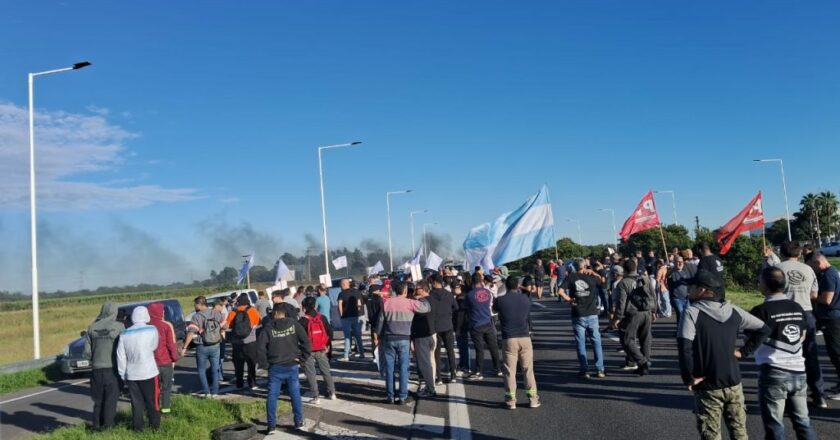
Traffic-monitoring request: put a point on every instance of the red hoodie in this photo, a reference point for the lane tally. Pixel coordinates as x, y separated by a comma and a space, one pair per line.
167, 349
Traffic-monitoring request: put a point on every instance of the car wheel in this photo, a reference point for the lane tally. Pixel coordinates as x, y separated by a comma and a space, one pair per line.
239, 431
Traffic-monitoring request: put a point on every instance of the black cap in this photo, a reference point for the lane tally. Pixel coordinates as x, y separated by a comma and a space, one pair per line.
705, 279
374, 288
528, 281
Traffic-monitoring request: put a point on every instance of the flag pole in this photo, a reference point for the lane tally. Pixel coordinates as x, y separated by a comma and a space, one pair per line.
664, 246
763, 239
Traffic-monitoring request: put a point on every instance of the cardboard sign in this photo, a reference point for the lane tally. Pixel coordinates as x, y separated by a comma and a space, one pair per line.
416, 272
325, 280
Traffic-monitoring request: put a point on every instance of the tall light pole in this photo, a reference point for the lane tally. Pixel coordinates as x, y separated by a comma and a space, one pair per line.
425, 247
323, 206
615, 235
33, 228
673, 200
388, 204
784, 189
580, 240
411, 220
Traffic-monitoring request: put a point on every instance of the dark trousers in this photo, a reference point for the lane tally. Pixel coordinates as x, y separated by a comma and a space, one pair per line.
105, 391
637, 337
167, 372
485, 336
831, 333
447, 340
245, 354
810, 350
144, 396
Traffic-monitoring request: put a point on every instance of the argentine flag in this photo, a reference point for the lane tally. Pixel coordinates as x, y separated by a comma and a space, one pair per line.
513, 235
243, 273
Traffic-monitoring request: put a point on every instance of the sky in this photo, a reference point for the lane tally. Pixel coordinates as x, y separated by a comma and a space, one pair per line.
193, 137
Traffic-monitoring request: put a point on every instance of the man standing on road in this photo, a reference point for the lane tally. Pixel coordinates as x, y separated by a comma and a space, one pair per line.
713, 264
552, 277
423, 340
206, 332
636, 301
263, 304
580, 289
243, 322
460, 325
478, 303
281, 349
678, 284
166, 354
319, 331
828, 312
395, 330
514, 312
708, 359
350, 308
539, 277
100, 347
444, 307
137, 367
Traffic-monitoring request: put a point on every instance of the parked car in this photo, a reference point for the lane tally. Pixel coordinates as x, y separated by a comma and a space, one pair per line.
831, 249
73, 360
212, 299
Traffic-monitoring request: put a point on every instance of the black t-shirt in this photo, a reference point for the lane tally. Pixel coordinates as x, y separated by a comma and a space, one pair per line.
514, 310
584, 289
350, 298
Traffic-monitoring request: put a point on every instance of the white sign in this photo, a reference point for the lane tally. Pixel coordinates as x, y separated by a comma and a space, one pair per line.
340, 262
433, 261
376, 268
416, 272
325, 280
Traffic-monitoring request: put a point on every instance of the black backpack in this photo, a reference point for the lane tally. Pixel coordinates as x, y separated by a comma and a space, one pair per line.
639, 296
242, 324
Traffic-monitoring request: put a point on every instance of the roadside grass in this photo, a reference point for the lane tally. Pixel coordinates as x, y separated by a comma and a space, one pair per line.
745, 299
191, 418
30, 378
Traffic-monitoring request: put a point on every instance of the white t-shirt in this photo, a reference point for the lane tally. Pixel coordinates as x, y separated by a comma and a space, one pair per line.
801, 281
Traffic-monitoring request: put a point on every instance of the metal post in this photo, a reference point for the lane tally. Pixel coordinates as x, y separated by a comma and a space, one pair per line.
787, 208
324, 215
411, 220
33, 228
388, 203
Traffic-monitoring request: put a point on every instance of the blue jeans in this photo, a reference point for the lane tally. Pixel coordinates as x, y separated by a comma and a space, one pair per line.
463, 341
588, 326
277, 375
208, 356
352, 327
397, 351
775, 389
680, 304
664, 304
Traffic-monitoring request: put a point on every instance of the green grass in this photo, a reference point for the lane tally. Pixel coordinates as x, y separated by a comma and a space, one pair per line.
30, 378
191, 418
744, 299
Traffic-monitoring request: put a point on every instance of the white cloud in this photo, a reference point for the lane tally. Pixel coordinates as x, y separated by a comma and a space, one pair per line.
69, 145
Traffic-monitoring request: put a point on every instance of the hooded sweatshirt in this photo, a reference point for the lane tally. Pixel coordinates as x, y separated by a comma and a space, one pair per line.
101, 337
285, 343
167, 349
443, 306
136, 349
707, 337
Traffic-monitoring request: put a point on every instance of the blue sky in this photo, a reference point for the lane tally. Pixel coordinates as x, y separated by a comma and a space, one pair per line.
202, 118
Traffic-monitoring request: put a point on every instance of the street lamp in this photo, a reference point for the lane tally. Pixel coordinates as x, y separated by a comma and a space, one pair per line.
388, 204
615, 235
33, 229
784, 189
411, 219
673, 200
580, 241
323, 206
425, 247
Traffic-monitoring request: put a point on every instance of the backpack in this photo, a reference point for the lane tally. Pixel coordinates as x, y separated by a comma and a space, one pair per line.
242, 324
639, 296
317, 332
212, 333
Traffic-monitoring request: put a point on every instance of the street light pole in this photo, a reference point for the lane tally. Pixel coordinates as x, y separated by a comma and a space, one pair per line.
784, 189
33, 227
323, 205
580, 240
425, 247
615, 235
673, 200
388, 204
411, 219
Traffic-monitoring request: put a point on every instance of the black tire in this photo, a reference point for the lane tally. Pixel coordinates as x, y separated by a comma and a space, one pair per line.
239, 431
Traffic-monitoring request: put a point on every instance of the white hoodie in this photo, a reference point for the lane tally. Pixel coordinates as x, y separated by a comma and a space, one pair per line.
136, 349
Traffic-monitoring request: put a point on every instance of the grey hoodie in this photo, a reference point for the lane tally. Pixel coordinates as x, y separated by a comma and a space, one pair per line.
101, 337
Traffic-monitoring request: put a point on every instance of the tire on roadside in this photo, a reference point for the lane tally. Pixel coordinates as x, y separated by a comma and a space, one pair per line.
238, 431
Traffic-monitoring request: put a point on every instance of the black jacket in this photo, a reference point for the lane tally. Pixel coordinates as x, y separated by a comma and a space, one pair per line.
443, 307
460, 322
375, 304
284, 343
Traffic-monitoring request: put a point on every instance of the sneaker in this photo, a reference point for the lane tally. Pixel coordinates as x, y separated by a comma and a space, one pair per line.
475, 376
271, 431
601, 375
404, 402
584, 375
833, 396
315, 400
438, 382
214, 396
500, 374
534, 402
333, 396
299, 426
426, 393
510, 403
819, 402
818, 333
643, 369
630, 367
344, 359
461, 373
389, 401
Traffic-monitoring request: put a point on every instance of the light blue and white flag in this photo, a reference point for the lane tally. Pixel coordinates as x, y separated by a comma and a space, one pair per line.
282, 271
416, 259
245, 268
513, 235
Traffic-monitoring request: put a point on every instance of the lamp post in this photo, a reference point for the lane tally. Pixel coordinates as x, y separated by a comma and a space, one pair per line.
33, 228
425, 247
411, 220
615, 235
580, 240
784, 189
388, 204
323, 206
673, 200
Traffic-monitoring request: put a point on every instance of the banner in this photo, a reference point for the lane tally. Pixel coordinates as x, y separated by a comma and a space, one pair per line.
433, 261
416, 259
340, 262
325, 280
243, 273
751, 217
643, 218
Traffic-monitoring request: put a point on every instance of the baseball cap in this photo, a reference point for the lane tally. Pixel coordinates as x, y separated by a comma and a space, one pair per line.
617, 270
704, 278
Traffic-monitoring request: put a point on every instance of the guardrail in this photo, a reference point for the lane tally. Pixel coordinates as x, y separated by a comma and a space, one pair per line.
27, 365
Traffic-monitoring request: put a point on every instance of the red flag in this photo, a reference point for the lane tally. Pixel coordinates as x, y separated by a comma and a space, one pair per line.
751, 217
644, 217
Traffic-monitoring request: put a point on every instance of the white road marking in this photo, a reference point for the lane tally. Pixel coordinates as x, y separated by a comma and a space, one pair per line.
459, 416
322, 429
536, 304
435, 425
44, 392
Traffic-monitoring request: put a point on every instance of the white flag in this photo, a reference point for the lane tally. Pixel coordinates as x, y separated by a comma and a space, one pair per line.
282, 271
340, 262
376, 268
416, 259
433, 261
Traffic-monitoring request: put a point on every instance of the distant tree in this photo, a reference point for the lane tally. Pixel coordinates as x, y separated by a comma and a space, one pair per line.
675, 236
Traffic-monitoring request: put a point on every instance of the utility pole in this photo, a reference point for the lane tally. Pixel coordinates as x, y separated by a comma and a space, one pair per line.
696, 226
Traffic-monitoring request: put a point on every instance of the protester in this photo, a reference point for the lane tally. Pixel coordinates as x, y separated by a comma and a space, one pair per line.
320, 334
206, 332
514, 312
478, 303
828, 314
580, 289
779, 357
242, 323
350, 308
539, 277
374, 305
708, 360
324, 303
137, 367
395, 329
444, 306
263, 304
166, 355
100, 347
423, 340
552, 277
663, 295
713, 264
678, 284
281, 349
461, 328
636, 302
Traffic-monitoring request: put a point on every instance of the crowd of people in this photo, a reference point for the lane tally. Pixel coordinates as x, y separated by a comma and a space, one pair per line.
489, 313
